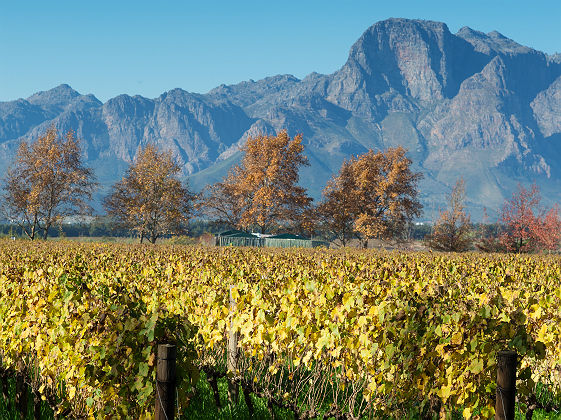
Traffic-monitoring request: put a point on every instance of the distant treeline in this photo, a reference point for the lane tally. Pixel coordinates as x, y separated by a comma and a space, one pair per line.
103, 226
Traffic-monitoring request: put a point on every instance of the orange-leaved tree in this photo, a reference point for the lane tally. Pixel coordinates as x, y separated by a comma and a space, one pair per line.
549, 232
46, 183
376, 192
150, 199
262, 192
337, 210
452, 231
527, 226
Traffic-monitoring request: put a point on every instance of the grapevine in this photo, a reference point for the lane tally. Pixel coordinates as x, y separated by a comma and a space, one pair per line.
342, 332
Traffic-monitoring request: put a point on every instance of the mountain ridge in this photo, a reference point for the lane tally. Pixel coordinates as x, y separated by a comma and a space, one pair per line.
468, 104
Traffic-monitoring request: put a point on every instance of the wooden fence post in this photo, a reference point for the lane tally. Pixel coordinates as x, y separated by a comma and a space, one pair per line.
506, 385
21, 394
4, 374
232, 355
165, 382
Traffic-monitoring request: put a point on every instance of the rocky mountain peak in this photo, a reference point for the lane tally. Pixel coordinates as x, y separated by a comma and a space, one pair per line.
58, 99
492, 43
57, 95
408, 56
398, 63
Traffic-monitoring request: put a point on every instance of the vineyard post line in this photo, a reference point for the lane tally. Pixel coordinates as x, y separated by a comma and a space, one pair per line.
506, 385
165, 382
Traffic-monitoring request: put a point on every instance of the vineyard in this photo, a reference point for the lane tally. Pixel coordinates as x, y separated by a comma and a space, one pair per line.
340, 334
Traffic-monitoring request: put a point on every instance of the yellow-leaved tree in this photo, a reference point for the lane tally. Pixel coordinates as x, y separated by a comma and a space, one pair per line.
150, 199
374, 195
262, 192
46, 183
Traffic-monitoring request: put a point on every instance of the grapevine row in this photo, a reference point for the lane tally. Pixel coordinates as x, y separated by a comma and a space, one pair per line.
361, 333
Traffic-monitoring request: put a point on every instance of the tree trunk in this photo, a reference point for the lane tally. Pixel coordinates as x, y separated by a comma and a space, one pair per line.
46, 232
48, 222
30, 235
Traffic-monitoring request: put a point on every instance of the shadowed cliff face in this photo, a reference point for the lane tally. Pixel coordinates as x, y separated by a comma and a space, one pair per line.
469, 104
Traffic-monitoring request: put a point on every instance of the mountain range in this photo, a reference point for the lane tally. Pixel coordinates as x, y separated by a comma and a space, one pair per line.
472, 105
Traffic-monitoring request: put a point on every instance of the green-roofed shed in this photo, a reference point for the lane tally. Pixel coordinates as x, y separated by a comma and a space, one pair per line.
231, 232
283, 240
287, 236
237, 238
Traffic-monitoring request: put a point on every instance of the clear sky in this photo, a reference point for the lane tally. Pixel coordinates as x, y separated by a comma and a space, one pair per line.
148, 47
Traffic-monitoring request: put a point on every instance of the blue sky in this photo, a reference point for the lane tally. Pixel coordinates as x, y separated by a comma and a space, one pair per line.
148, 47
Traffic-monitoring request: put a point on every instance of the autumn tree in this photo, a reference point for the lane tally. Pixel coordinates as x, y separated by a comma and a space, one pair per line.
262, 192
374, 195
527, 226
487, 235
222, 202
46, 183
548, 233
150, 199
452, 231
337, 211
